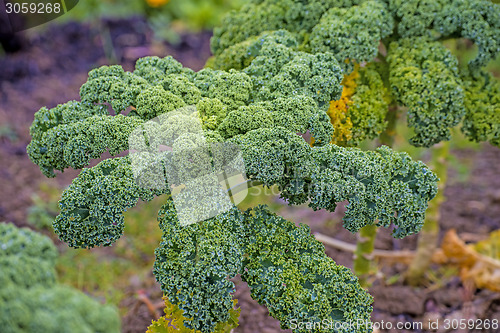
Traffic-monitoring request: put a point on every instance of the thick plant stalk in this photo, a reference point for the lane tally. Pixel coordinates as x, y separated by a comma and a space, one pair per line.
428, 237
363, 255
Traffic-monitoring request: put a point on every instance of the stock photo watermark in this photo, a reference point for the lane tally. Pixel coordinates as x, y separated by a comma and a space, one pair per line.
18, 15
361, 325
171, 152
205, 177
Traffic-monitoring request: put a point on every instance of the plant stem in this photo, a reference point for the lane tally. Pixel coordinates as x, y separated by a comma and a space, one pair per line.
363, 255
388, 255
428, 237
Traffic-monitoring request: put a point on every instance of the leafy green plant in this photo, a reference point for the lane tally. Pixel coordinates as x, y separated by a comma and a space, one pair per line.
286, 268
394, 62
106, 273
277, 67
32, 300
278, 70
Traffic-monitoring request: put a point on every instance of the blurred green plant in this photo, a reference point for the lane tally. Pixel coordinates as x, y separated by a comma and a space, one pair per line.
285, 267
31, 299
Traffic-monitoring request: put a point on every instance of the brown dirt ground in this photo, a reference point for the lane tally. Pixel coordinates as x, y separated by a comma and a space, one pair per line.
54, 64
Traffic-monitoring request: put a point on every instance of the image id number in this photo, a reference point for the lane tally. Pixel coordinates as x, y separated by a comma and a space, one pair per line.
32, 8
471, 324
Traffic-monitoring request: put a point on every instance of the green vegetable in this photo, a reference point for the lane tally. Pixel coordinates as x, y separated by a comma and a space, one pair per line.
264, 91
57, 309
288, 271
194, 264
30, 299
92, 207
278, 68
352, 34
424, 76
382, 185
370, 103
401, 37
286, 268
482, 105
477, 20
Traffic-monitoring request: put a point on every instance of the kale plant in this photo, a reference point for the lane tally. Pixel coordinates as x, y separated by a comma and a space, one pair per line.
394, 64
278, 71
32, 300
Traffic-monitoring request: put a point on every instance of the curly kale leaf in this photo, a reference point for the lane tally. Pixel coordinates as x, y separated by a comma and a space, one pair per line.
295, 73
482, 104
297, 114
298, 17
382, 185
93, 205
211, 112
249, 21
194, 264
415, 17
47, 122
277, 69
352, 34
331, 25
245, 119
112, 85
16, 241
370, 105
477, 20
232, 88
24, 272
142, 89
66, 113
424, 76
360, 112
72, 134
74, 142
180, 85
288, 271
285, 267
241, 55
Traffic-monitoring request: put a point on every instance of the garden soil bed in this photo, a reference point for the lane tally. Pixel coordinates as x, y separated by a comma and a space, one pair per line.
53, 64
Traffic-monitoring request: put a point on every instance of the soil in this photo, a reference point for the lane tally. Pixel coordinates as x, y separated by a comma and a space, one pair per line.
54, 63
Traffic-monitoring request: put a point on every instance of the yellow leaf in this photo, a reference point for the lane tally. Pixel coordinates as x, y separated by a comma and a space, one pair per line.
173, 321
478, 262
